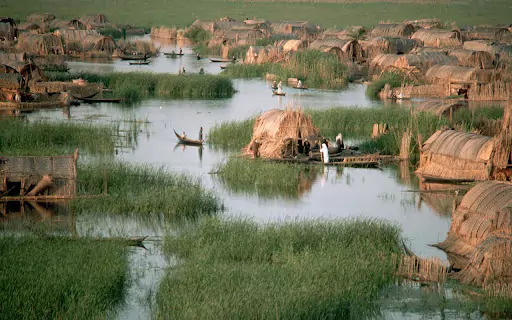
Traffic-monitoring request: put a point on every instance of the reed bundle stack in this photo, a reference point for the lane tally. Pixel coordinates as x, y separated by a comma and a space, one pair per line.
276, 130
396, 30
349, 50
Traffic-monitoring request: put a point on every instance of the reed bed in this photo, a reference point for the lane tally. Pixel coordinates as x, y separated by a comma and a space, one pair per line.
20, 137
315, 68
143, 189
197, 35
236, 269
265, 179
58, 278
394, 78
135, 86
231, 134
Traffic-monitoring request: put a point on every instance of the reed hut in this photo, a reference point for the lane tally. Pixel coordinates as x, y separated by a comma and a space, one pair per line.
488, 33
349, 50
418, 62
484, 211
499, 51
294, 45
243, 36
419, 49
99, 43
442, 108
12, 56
474, 59
163, 32
73, 24
40, 18
278, 132
387, 45
263, 54
426, 23
202, 24
438, 38
456, 156
9, 81
332, 33
8, 29
28, 73
396, 30
93, 21
295, 27
454, 78
32, 27
257, 23
40, 44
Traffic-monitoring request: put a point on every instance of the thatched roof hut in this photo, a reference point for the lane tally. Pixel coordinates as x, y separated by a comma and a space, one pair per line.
393, 30
262, 54
487, 33
497, 50
27, 71
378, 45
74, 24
484, 211
93, 21
40, 44
224, 25
243, 36
421, 62
8, 29
10, 80
442, 108
278, 131
417, 50
32, 27
474, 59
426, 23
345, 49
99, 43
451, 74
438, 38
299, 27
70, 35
203, 24
294, 45
456, 156
40, 17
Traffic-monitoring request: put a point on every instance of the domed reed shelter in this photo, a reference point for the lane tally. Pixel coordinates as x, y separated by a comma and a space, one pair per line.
99, 43
40, 44
278, 132
73, 24
474, 59
93, 21
40, 17
8, 29
388, 45
484, 211
349, 50
438, 38
393, 30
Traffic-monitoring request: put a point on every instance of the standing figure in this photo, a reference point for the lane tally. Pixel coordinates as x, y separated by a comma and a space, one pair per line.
299, 84
181, 52
307, 147
255, 148
274, 85
201, 134
182, 70
325, 152
183, 135
280, 87
198, 56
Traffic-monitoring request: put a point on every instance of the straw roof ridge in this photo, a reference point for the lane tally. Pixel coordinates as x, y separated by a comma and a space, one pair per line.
458, 144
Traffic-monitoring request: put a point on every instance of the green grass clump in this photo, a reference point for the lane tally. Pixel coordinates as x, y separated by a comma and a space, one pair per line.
20, 137
237, 269
231, 134
315, 68
60, 278
115, 33
143, 189
395, 79
266, 179
134, 86
196, 34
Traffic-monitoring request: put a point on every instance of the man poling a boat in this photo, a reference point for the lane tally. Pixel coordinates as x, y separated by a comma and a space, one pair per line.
324, 152
280, 87
299, 84
183, 135
201, 134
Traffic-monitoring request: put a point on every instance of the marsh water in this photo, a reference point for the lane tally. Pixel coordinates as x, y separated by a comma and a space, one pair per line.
389, 193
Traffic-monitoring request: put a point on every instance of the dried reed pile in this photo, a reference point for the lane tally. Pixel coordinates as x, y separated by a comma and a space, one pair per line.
419, 269
78, 91
163, 32
441, 107
294, 45
260, 54
275, 129
456, 156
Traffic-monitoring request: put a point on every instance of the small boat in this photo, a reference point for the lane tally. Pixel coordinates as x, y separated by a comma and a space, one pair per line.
173, 54
273, 88
134, 56
221, 60
188, 141
301, 88
93, 100
275, 93
138, 63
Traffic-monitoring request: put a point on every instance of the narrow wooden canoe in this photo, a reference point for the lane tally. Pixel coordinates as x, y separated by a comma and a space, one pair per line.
302, 88
173, 54
220, 60
188, 141
134, 57
275, 93
140, 63
93, 100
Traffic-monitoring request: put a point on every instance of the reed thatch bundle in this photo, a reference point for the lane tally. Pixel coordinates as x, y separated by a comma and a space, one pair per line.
345, 49
8, 29
456, 156
387, 45
163, 32
70, 35
99, 43
490, 264
93, 21
438, 38
294, 45
426, 23
487, 33
474, 59
73, 24
263, 54
40, 17
297, 27
275, 129
40, 44
396, 30
485, 210
425, 270
447, 74
442, 108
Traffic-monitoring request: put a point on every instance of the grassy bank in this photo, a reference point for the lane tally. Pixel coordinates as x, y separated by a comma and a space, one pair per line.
304, 270
60, 278
314, 68
143, 189
20, 137
231, 134
134, 86
325, 12
266, 179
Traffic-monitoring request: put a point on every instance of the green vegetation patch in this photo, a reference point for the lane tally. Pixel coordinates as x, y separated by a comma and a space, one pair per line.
143, 189
135, 86
394, 78
60, 278
313, 67
231, 134
266, 179
20, 137
237, 269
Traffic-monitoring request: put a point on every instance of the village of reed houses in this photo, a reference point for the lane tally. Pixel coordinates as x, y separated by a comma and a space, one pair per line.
362, 172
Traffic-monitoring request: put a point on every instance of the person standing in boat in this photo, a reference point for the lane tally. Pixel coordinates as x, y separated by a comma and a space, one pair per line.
183, 135
324, 151
181, 52
198, 56
299, 84
145, 56
201, 134
280, 87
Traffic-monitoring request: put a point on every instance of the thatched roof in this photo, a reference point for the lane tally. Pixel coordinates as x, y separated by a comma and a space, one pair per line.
262, 54
377, 45
29, 26
99, 43
275, 129
485, 210
422, 61
417, 50
11, 56
383, 61
8, 29
446, 74
501, 50
202, 24
346, 49
40, 44
393, 30
293, 27
69, 35
39, 17
441, 107
294, 45
438, 38
453, 155
239, 34
488, 33
10, 81
426, 23
474, 59
92, 21
67, 24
